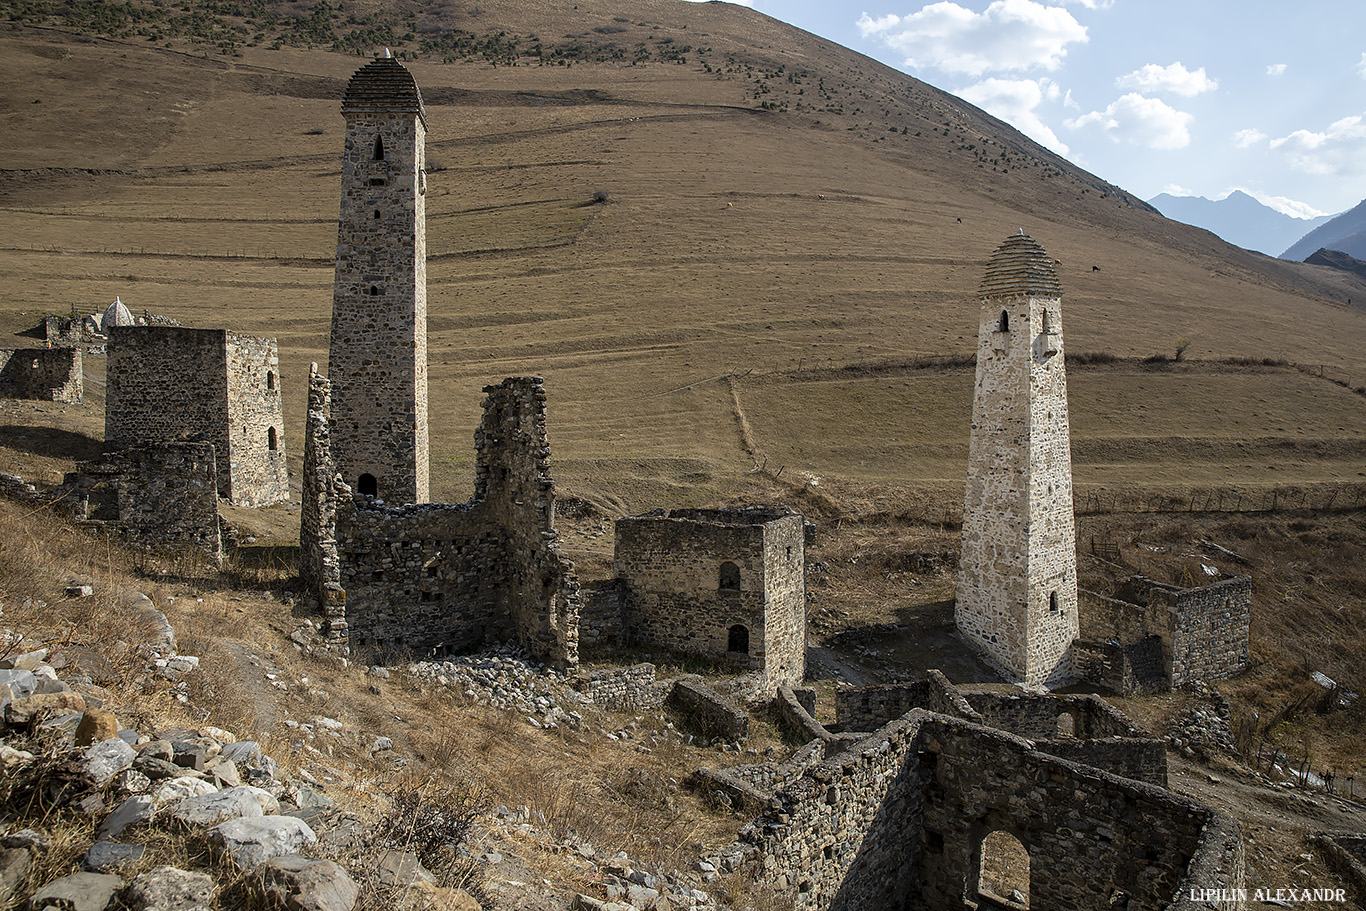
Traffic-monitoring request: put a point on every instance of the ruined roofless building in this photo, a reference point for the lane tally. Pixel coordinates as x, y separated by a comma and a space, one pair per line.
1017, 587
377, 362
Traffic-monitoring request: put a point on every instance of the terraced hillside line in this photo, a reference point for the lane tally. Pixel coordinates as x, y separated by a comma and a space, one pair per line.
805, 491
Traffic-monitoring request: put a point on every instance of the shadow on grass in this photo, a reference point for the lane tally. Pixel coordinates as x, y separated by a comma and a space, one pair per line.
51, 443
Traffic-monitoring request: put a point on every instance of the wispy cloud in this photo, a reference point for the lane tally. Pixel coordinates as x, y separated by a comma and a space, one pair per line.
1277, 69
1283, 204
1014, 101
1339, 151
1137, 120
1175, 189
1175, 78
1361, 66
1009, 35
1245, 138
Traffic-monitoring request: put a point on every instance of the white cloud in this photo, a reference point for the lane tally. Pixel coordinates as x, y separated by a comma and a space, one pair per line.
1069, 102
1014, 101
1138, 120
1276, 69
1244, 138
1361, 66
1339, 151
1175, 189
1283, 204
1092, 4
1175, 78
1008, 35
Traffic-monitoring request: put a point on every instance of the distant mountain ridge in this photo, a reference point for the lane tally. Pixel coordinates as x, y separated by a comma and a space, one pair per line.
1345, 233
1241, 220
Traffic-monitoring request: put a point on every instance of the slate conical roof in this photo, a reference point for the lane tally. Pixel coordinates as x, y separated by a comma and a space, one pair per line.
117, 314
1020, 268
383, 86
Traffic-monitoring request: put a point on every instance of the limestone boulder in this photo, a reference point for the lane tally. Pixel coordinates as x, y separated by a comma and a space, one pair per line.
253, 841
136, 809
219, 806
300, 883
104, 760
77, 892
173, 790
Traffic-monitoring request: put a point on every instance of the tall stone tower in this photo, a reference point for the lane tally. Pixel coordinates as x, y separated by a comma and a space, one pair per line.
378, 359
1017, 588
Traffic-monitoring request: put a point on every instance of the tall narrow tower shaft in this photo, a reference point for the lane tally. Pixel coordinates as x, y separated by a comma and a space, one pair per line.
1017, 589
378, 357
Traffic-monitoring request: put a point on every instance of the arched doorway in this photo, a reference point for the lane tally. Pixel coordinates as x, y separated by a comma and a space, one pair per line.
738, 640
1003, 876
367, 485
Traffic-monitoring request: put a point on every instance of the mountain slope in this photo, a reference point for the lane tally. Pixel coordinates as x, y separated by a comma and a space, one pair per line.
1239, 219
1346, 233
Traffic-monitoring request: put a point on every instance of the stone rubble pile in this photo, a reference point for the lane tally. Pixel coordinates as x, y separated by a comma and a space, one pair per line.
1205, 729
503, 679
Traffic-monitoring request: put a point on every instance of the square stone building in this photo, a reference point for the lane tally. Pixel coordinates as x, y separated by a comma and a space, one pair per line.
170, 383
728, 584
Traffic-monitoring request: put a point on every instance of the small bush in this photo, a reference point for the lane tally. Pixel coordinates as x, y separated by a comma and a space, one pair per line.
600, 197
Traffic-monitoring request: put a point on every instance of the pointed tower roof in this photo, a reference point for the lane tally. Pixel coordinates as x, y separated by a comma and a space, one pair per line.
383, 86
1020, 268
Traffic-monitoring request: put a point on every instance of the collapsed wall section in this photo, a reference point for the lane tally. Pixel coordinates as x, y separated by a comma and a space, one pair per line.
160, 495
45, 374
435, 578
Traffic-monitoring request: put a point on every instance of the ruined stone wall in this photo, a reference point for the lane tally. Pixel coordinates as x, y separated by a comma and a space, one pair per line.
256, 423
901, 818
1040, 716
630, 688
692, 578
46, 374
1017, 586
319, 566
378, 354
1125, 670
869, 708
1210, 635
172, 383
601, 620
705, 711
159, 495
434, 578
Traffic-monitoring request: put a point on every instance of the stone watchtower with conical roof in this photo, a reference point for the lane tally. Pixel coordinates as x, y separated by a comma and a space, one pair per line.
1017, 588
378, 358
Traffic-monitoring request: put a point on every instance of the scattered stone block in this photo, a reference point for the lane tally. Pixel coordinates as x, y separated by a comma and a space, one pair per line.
219, 806
399, 868
96, 725
251, 842
14, 864
105, 856
30, 710
305, 884
171, 889
20, 683
136, 809
177, 789
77, 892
106, 759
430, 897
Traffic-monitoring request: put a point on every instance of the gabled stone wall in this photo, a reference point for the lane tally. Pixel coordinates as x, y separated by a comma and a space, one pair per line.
46, 374
724, 584
436, 578
159, 495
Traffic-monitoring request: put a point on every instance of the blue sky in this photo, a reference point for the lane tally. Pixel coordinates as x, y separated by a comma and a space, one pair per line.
1198, 97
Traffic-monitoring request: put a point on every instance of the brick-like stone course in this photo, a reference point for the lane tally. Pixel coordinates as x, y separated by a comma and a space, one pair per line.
436, 578
633, 688
171, 383
691, 576
1017, 590
159, 495
46, 374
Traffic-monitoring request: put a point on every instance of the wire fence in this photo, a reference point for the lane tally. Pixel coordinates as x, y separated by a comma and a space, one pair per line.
1316, 497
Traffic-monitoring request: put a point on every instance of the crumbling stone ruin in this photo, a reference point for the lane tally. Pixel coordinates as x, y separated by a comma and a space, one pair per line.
319, 564
46, 374
161, 494
1017, 589
167, 383
378, 354
980, 797
728, 584
1151, 636
436, 578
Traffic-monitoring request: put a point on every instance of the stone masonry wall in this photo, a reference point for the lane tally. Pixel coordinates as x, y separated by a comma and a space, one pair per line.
1017, 585
434, 578
256, 423
900, 820
692, 576
705, 711
47, 374
378, 354
1210, 637
172, 383
319, 565
159, 495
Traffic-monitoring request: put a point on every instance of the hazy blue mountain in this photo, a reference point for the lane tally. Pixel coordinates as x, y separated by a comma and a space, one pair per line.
1345, 233
1240, 220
